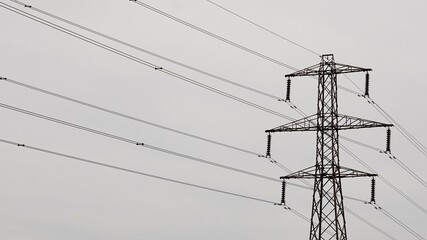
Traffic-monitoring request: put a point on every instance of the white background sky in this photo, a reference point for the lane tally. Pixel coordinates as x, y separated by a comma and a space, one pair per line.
48, 197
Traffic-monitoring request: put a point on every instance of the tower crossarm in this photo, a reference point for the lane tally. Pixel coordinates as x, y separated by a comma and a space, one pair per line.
344, 172
345, 122
348, 122
304, 124
316, 70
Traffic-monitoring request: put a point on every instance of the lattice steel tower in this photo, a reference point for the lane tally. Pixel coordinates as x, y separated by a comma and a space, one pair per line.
327, 215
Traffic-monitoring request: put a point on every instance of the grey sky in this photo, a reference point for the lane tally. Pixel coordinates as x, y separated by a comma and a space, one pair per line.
48, 197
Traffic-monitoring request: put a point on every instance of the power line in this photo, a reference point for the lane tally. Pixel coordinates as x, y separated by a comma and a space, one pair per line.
327, 143
391, 156
204, 31
132, 171
415, 142
139, 143
310, 187
170, 152
409, 137
155, 125
145, 174
140, 61
157, 55
352, 82
401, 164
370, 224
229, 95
171, 180
133, 58
133, 142
149, 52
264, 28
246, 49
157, 69
360, 143
57, 95
300, 215
421, 147
408, 170
44, 91
401, 224
392, 186
162, 178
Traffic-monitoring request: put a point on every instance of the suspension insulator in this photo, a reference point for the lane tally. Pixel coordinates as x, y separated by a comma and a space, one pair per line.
367, 84
388, 140
282, 200
288, 90
268, 154
373, 190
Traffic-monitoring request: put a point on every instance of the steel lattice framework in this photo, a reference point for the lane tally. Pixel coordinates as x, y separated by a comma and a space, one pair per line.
327, 214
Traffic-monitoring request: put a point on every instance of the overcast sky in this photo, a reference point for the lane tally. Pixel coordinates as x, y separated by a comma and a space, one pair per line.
43, 196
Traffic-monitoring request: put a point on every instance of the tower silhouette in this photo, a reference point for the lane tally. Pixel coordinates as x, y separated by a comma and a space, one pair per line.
327, 214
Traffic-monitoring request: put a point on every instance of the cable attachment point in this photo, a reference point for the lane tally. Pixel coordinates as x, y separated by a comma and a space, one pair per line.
367, 84
139, 144
284, 206
3, 78
27, 6
268, 154
288, 90
21, 145
388, 141
157, 68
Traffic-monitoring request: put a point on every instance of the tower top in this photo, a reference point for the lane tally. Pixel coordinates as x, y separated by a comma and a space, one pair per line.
327, 59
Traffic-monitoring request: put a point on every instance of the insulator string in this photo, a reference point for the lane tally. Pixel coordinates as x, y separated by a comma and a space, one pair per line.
268, 154
373, 190
367, 84
288, 90
282, 200
388, 140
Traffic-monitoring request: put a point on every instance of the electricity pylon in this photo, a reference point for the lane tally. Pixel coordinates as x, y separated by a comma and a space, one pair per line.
327, 215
